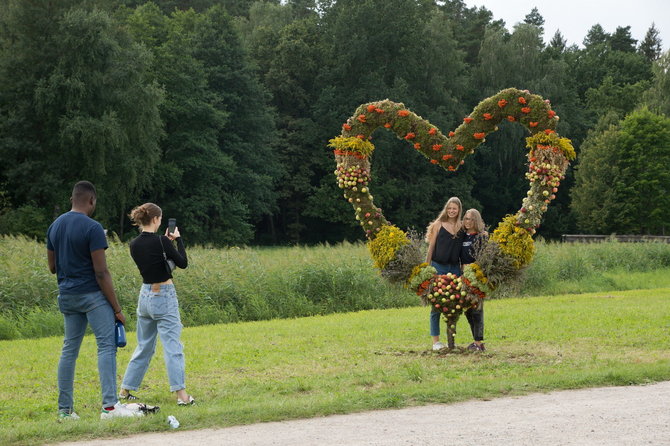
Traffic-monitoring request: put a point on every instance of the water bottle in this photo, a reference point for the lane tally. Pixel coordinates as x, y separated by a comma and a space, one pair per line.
120, 334
172, 421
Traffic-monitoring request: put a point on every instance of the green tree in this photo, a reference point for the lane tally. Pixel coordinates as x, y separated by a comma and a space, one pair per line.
622, 177
215, 115
404, 51
83, 108
622, 40
249, 136
594, 201
651, 47
534, 18
657, 98
644, 183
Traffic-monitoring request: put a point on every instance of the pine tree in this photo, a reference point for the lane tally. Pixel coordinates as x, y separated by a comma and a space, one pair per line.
651, 46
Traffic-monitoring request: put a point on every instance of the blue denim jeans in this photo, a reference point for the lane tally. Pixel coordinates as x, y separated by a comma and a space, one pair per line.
434, 314
157, 314
79, 310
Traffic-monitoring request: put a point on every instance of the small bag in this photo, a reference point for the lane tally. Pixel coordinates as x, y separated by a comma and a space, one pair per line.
169, 263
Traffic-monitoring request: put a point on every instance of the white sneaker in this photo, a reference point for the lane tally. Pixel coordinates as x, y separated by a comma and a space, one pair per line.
120, 410
67, 416
438, 346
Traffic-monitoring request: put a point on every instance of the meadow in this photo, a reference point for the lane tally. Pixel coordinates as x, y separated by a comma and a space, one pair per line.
249, 284
249, 372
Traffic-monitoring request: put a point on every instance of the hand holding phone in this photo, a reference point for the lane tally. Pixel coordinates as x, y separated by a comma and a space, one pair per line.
172, 224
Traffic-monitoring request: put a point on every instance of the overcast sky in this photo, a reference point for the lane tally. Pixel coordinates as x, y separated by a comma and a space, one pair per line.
575, 17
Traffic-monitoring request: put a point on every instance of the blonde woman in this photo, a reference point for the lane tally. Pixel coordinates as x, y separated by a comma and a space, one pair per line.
158, 307
474, 229
444, 238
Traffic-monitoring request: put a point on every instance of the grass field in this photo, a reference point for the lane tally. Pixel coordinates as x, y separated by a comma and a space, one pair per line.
233, 285
281, 369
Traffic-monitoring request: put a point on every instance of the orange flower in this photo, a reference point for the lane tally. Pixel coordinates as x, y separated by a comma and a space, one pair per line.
525, 110
551, 114
361, 118
522, 100
346, 126
387, 125
467, 120
461, 148
437, 147
432, 131
447, 157
487, 116
379, 110
417, 145
548, 131
511, 118
452, 168
371, 108
502, 103
409, 136
451, 134
478, 136
403, 112
360, 136
532, 124
434, 161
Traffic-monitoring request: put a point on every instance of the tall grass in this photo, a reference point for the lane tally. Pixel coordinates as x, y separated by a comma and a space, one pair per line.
245, 284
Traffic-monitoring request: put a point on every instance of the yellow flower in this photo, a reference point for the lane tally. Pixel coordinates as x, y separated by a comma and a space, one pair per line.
384, 246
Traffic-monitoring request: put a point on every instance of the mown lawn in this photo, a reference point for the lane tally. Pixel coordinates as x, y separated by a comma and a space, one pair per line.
280, 369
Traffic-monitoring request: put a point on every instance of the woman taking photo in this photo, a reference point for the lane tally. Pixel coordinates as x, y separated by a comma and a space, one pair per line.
158, 307
445, 238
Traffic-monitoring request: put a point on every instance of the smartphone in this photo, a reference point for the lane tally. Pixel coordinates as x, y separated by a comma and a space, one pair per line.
172, 223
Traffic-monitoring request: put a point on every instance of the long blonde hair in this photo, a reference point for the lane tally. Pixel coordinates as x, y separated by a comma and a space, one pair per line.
434, 226
477, 221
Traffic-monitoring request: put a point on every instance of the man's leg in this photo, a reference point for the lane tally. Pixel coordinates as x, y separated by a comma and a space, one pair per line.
101, 319
75, 327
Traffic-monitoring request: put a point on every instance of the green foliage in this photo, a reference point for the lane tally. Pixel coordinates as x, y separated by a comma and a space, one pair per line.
622, 178
220, 111
83, 108
657, 98
302, 281
28, 220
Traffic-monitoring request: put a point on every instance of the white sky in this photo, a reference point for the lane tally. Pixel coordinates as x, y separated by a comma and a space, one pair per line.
575, 17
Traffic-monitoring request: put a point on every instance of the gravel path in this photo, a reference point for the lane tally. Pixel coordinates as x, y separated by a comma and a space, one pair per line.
635, 415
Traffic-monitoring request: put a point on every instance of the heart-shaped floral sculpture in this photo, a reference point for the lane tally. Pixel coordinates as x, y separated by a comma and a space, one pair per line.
509, 248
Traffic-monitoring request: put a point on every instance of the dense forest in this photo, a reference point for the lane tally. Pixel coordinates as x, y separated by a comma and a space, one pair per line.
220, 111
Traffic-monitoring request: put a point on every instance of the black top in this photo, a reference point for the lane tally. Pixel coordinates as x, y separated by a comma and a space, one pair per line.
468, 249
447, 247
147, 252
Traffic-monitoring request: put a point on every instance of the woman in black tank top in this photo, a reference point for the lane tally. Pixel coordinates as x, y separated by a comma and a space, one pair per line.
445, 238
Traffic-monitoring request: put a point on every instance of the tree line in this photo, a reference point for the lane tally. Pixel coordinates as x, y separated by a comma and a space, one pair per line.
220, 112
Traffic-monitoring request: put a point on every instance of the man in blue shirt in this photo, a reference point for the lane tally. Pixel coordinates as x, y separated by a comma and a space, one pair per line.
76, 254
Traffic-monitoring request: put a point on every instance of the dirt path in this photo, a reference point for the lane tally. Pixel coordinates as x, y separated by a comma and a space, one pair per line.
635, 415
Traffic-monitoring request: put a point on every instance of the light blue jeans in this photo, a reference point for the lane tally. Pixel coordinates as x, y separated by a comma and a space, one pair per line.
79, 310
157, 314
434, 314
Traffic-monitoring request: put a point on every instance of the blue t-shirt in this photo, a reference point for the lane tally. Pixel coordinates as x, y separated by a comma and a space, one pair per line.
72, 237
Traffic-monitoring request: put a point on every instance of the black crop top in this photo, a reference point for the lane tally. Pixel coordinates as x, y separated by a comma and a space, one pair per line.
447, 247
147, 252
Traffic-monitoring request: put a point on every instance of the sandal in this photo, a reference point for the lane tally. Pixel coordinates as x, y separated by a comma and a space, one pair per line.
129, 396
190, 401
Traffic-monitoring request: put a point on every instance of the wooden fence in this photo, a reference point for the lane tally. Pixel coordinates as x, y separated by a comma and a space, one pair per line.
584, 238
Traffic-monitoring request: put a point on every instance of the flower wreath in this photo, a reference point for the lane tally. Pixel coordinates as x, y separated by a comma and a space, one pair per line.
511, 245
